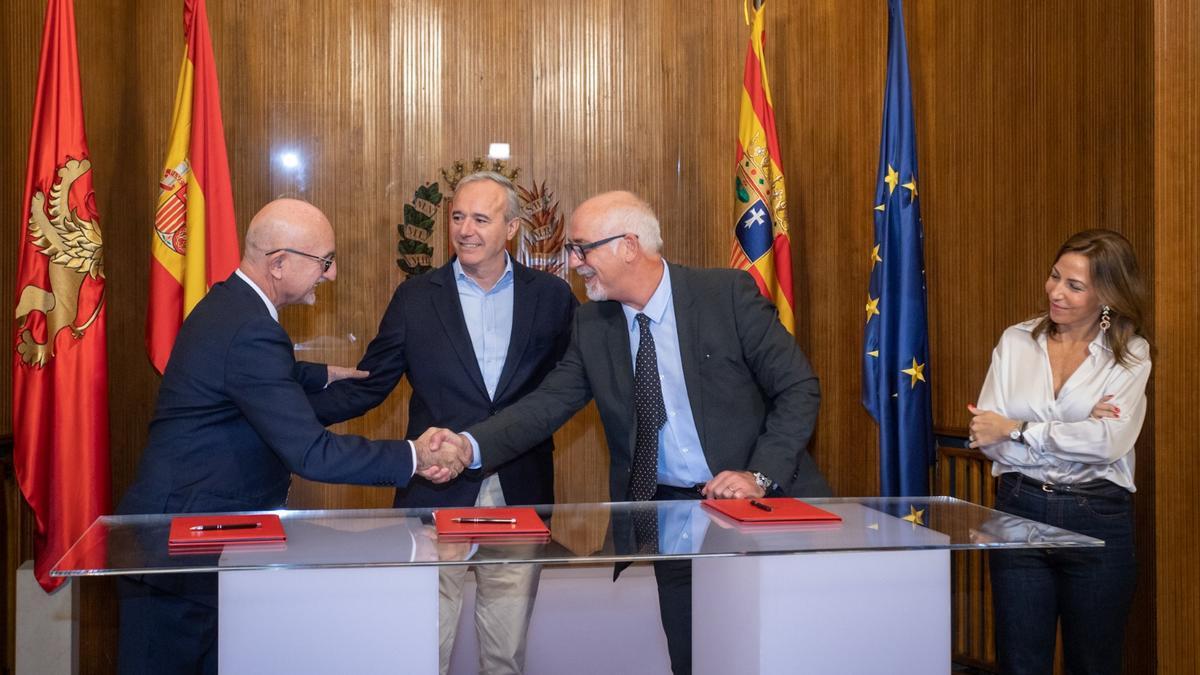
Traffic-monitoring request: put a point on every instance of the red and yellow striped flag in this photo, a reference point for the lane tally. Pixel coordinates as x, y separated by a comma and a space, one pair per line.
195, 234
761, 245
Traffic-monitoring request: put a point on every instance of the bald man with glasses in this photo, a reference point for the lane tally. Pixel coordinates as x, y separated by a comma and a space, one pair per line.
233, 422
701, 390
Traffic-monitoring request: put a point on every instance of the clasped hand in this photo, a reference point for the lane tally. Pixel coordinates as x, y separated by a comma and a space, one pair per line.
442, 454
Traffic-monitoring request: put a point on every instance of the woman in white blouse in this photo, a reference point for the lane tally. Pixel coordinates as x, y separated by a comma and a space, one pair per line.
1059, 413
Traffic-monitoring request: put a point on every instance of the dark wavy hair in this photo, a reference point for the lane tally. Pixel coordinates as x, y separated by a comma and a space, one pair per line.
1118, 284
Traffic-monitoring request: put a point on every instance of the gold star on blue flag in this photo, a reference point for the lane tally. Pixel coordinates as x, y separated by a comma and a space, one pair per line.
896, 375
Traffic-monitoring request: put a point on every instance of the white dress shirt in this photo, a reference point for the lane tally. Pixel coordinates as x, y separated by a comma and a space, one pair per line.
1064, 444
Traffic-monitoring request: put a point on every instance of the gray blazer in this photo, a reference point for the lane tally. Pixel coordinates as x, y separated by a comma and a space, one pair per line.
753, 394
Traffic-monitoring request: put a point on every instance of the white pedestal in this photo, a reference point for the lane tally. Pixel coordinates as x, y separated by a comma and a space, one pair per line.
583, 624
846, 613
879, 611
352, 618
362, 621
47, 631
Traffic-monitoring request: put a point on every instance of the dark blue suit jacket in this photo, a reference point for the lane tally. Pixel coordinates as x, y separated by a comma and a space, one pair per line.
233, 422
423, 334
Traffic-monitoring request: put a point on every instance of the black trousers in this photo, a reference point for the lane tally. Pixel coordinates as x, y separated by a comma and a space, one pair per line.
674, 579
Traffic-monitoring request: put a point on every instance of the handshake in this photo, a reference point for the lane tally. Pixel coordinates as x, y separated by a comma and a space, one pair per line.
442, 454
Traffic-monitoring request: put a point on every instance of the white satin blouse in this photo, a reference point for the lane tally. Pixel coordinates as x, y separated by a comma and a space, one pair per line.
1064, 443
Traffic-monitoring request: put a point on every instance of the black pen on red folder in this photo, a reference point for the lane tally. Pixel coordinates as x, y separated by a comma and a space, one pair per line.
759, 505
510, 521
230, 526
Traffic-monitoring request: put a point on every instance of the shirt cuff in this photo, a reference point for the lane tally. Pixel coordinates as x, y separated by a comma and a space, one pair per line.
476, 458
412, 447
1035, 436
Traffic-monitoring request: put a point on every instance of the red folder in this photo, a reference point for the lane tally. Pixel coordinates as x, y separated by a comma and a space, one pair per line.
783, 510
527, 526
218, 549
205, 531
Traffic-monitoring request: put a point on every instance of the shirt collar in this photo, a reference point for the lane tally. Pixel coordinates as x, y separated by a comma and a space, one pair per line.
657, 306
1098, 343
266, 301
461, 275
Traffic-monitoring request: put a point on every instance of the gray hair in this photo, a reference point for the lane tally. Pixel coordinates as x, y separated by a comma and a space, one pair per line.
510, 191
633, 215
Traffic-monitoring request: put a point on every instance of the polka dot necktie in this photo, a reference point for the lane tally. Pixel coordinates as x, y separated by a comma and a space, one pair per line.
651, 415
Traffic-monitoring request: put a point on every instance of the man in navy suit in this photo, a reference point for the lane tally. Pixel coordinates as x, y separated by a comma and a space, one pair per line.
473, 336
233, 423
737, 399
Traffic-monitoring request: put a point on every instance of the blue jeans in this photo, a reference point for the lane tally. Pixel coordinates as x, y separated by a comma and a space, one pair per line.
1089, 590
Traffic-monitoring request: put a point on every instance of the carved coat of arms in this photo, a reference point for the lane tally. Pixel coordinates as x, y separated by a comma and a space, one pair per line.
539, 244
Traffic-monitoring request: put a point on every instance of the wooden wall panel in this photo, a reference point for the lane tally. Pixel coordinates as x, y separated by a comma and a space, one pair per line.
826, 61
1177, 314
1034, 120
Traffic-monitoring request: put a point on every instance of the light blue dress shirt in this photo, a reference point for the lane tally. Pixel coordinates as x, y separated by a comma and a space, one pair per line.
682, 526
681, 461
489, 317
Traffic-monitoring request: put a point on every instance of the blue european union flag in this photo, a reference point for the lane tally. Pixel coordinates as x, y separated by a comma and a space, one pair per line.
896, 364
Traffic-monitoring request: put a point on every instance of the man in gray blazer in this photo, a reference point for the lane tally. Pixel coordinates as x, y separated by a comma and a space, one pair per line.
738, 398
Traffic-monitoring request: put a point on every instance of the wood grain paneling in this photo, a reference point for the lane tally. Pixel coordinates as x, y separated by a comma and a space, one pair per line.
1177, 325
1034, 120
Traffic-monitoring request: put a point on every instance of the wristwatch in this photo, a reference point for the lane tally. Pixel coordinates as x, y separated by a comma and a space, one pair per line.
763, 482
1018, 433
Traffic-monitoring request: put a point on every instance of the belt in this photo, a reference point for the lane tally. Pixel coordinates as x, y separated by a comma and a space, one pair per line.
1099, 487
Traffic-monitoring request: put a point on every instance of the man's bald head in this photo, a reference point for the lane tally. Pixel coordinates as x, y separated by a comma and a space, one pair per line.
286, 223
621, 260
285, 244
620, 211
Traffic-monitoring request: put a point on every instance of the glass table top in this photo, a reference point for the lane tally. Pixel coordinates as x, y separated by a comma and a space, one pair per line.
580, 534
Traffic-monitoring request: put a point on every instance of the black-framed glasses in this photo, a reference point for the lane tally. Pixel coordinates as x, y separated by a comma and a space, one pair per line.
581, 250
326, 263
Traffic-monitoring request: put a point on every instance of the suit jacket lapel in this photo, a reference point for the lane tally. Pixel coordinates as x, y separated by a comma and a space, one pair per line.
616, 334
449, 310
525, 303
239, 286
687, 321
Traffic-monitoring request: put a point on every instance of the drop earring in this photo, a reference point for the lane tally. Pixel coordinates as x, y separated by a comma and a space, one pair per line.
1105, 321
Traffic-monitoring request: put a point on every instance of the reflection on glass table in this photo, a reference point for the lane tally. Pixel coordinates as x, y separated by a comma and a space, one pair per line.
403, 537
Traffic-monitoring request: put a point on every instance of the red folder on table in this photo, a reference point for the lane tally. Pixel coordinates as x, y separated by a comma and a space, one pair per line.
218, 549
206, 531
782, 510
490, 523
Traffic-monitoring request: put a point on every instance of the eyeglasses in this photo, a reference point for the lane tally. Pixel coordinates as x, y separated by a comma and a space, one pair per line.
581, 250
326, 263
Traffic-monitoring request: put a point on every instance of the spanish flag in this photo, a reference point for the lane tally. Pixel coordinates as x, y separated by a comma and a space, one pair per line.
195, 233
761, 245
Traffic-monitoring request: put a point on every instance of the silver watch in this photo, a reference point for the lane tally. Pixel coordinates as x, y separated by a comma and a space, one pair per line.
1018, 433
763, 482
